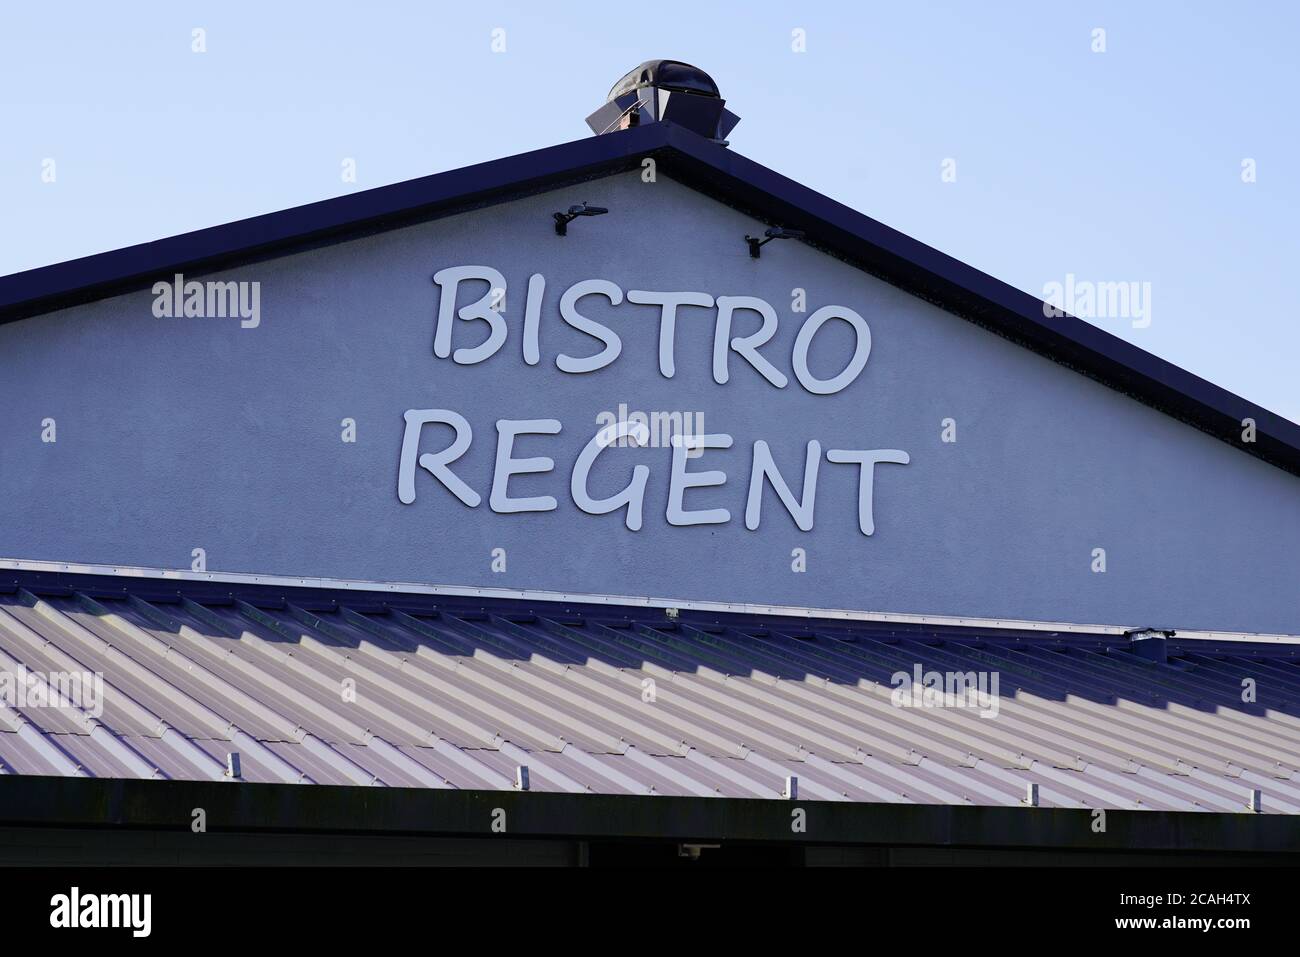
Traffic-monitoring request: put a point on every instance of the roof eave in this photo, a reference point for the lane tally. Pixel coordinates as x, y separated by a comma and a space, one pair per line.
60, 285
30, 801
716, 171
980, 298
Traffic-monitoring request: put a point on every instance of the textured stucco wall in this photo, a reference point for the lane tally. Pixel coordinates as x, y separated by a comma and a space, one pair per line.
175, 434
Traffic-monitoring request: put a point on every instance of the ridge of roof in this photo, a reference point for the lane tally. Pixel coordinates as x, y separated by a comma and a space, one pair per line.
715, 171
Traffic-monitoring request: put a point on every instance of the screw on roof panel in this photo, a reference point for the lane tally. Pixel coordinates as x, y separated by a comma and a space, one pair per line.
791, 789
521, 778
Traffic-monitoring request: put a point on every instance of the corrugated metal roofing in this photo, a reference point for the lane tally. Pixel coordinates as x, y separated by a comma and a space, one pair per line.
439, 698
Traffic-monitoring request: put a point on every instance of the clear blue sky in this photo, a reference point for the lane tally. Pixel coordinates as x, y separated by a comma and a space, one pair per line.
1115, 166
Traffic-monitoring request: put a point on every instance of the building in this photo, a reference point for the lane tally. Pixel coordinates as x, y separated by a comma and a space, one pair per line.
625, 501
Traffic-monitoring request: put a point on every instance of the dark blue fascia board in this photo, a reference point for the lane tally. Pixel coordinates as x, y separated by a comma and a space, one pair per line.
980, 298
47, 288
719, 172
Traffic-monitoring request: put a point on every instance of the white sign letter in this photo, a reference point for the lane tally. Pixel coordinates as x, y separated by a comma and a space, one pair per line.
506, 466
633, 496
866, 462
668, 303
765, 467
744, 346
804, 340
450, 280
436, 465
613, 345
681, 480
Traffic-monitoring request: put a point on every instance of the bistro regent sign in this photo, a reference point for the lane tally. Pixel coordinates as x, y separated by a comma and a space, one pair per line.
488, 309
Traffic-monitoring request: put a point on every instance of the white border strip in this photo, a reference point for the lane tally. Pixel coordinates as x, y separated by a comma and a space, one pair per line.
468, 591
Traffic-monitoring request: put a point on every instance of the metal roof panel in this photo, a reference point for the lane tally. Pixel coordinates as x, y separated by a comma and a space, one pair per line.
448, 698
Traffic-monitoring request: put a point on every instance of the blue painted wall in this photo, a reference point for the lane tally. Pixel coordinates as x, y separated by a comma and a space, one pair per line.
175, 434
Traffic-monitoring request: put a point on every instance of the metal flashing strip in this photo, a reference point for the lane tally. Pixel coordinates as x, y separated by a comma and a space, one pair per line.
469, 591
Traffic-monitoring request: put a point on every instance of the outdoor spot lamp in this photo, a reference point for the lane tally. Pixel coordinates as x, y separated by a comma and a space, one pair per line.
776, 232
562, 220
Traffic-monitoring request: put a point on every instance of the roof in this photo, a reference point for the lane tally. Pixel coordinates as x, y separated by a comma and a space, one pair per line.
402, 691
718, 172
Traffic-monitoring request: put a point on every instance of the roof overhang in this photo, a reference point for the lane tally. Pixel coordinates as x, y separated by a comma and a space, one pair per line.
27, 801
717, 172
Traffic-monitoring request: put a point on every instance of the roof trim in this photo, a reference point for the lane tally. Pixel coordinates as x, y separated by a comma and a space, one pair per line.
718, 172
47, 288
28, 800
75, 574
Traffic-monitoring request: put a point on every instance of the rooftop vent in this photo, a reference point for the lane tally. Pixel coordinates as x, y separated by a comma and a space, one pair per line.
666, 91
